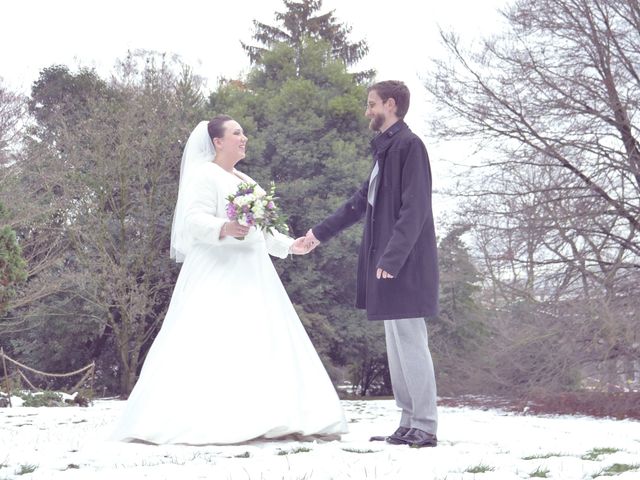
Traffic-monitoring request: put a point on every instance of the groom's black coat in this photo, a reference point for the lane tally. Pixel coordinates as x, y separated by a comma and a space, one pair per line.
399, 234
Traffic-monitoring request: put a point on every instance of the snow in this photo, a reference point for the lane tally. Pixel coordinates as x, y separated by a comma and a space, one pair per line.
69, 443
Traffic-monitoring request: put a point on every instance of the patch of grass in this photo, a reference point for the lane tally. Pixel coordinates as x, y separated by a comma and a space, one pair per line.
543, 456
27, 468
205, 456
481, 468
294, 451
72, 466
41, 399
358, 450
616, 469
595, 453
243, 455
539, 473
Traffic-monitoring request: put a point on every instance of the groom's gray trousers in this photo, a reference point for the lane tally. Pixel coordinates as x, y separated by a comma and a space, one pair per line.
412, 376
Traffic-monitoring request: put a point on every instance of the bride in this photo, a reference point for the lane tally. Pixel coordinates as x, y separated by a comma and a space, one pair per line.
232, 362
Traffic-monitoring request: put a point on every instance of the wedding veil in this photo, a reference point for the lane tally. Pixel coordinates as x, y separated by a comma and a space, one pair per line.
197, 151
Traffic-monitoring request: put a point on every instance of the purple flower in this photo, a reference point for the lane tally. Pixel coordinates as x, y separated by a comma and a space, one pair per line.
231, 211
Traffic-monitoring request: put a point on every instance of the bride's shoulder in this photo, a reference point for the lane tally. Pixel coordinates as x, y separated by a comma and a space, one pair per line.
207, 169
243, 176
203, 175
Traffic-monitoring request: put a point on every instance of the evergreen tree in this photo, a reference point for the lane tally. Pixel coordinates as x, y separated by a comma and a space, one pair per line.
307, 133
12, 265
458, 334
458, 321
301, 21
61, 100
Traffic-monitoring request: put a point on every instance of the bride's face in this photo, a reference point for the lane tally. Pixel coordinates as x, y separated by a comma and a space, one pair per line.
233, 143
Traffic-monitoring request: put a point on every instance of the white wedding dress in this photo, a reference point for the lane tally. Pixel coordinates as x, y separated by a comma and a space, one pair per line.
232, 361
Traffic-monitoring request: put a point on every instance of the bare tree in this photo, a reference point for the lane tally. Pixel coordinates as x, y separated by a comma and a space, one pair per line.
13, 121
556, 209
124, 184
12, 118
99, 180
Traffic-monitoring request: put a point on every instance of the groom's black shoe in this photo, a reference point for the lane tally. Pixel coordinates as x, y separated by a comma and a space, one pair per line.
400, 431
399, 437
419, 438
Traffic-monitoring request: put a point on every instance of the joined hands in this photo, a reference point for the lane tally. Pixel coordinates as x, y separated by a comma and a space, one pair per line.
303, 245
299, 246
311, 242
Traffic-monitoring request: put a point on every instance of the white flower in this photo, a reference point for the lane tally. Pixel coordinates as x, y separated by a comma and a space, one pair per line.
258, 210
243, 200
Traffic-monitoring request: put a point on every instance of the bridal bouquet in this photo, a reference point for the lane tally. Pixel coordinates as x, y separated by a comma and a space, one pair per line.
252, 206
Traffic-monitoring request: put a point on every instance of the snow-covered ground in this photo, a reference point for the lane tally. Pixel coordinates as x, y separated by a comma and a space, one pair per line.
68, 443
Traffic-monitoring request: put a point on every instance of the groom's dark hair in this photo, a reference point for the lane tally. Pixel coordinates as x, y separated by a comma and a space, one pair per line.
215, 127
393, 89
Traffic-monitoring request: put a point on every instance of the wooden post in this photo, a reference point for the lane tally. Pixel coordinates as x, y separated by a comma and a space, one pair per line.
6, 376
93, 378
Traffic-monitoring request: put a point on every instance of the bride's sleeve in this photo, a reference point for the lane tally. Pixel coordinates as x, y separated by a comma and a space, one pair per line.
202, 205
278, 244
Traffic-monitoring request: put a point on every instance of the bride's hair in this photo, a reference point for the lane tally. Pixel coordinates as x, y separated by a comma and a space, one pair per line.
215, 127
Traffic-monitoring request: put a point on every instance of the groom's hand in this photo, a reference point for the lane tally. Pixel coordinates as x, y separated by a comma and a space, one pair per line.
300, 246
311, 240
380, 273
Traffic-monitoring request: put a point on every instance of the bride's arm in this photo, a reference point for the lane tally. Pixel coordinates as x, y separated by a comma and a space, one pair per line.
200, 217
278, 244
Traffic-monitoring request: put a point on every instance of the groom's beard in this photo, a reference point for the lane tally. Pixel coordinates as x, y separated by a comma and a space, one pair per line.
376, 123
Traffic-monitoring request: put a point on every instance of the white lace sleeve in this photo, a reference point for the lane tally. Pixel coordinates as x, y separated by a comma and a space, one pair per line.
278, 244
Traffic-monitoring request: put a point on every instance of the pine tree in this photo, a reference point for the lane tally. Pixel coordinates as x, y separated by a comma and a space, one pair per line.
300, 21
459, 321
12, 265
307, 132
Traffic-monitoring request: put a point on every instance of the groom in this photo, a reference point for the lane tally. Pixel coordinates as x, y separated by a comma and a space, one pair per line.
397, 264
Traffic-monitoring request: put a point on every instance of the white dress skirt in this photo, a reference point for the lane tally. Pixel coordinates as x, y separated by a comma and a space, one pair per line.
232, 361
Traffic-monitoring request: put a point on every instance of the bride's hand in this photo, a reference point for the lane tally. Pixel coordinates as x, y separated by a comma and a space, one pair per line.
233, 229
299, 246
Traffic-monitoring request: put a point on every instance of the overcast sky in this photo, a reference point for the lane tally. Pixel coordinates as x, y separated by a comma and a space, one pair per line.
38, 33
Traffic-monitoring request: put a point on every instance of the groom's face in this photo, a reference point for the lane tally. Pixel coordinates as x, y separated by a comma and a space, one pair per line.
376, 111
